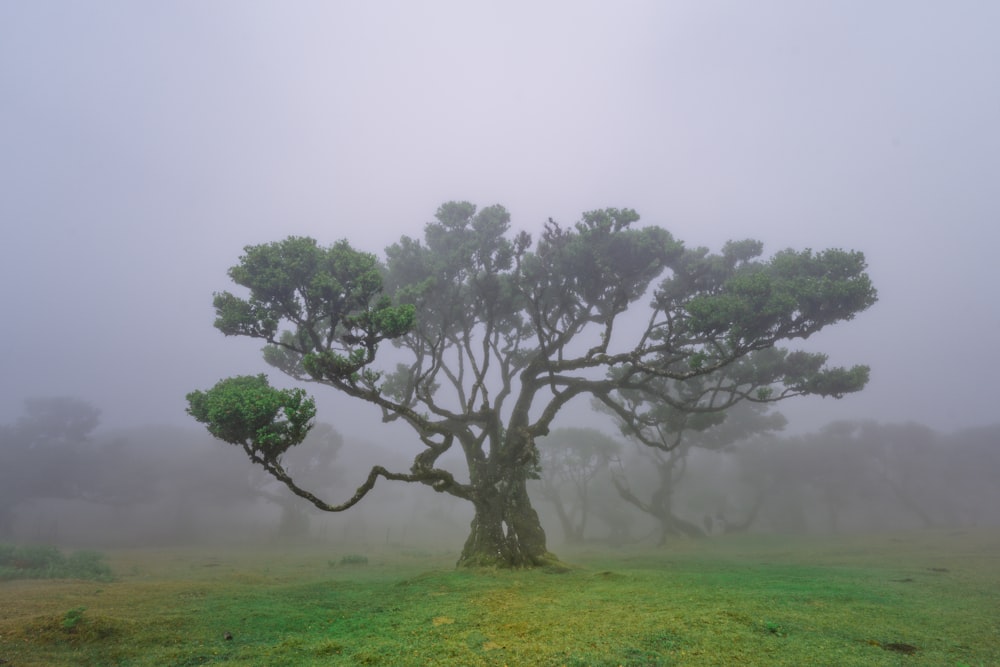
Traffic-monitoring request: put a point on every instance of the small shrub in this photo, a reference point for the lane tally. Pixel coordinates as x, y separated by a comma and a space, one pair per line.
46, 562
73, 618
88, 565
354, 559
773, 628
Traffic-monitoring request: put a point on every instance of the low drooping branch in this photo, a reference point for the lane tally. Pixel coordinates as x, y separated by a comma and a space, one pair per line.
440, 480
660, 509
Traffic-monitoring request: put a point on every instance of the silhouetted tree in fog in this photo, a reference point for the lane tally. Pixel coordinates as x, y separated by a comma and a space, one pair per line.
49, 452
666, 437
570, 460
870, 475
40, 454
974, 468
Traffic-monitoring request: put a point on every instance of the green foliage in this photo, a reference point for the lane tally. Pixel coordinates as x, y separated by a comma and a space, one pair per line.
793, 295
462, 273
246, 410
599, 268
330, 298
48, 562
88, 565
73, 618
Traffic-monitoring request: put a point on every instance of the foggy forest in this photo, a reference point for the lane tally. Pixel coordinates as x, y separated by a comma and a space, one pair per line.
334, 330
68, 481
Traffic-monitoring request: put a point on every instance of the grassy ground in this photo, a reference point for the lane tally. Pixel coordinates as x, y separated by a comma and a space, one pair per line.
916, 599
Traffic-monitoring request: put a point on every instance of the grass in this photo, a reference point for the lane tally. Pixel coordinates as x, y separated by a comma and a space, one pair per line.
47, 562
923, 599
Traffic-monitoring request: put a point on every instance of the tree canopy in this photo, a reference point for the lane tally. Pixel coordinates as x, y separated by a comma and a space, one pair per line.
499, 331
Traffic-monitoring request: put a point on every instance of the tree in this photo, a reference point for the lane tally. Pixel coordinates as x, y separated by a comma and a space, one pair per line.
49, 452
56, 420
974, 466
569, 463
667, 436
902, 463
857, 474
771, 481
41, 453
499, 333
900, 458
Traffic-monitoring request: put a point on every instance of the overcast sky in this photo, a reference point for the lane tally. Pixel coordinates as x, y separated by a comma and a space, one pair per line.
143, 144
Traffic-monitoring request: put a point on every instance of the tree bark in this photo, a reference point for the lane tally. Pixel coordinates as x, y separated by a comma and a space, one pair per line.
569, 531
505, 530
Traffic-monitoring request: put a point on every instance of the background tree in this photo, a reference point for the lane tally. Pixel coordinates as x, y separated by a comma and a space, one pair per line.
667, 437
499, 334
973, 456
569, 463
908, 461
313, 464
866, 475
43, 454
52, 453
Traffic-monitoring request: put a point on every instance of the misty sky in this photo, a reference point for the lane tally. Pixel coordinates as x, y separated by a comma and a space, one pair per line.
143, 144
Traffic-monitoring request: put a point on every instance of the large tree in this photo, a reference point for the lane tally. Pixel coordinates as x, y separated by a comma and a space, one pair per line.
496, 333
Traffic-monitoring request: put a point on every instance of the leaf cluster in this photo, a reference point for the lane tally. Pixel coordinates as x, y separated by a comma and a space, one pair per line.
592, 272
247, 411
793, 295
330, 299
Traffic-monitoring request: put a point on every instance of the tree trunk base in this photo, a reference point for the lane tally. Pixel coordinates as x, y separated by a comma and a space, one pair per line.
499, 562
507, 534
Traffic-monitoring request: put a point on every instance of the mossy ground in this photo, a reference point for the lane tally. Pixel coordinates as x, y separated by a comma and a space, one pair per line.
920, 599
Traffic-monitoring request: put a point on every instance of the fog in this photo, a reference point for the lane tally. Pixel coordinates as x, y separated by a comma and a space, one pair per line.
176, 486
143, 145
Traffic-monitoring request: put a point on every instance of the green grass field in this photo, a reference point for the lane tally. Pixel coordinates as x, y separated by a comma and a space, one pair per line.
911, 599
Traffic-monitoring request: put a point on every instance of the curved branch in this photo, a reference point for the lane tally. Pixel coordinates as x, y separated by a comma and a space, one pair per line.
440, 480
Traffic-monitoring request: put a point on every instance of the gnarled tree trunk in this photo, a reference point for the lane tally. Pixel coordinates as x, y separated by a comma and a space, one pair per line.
505, 530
